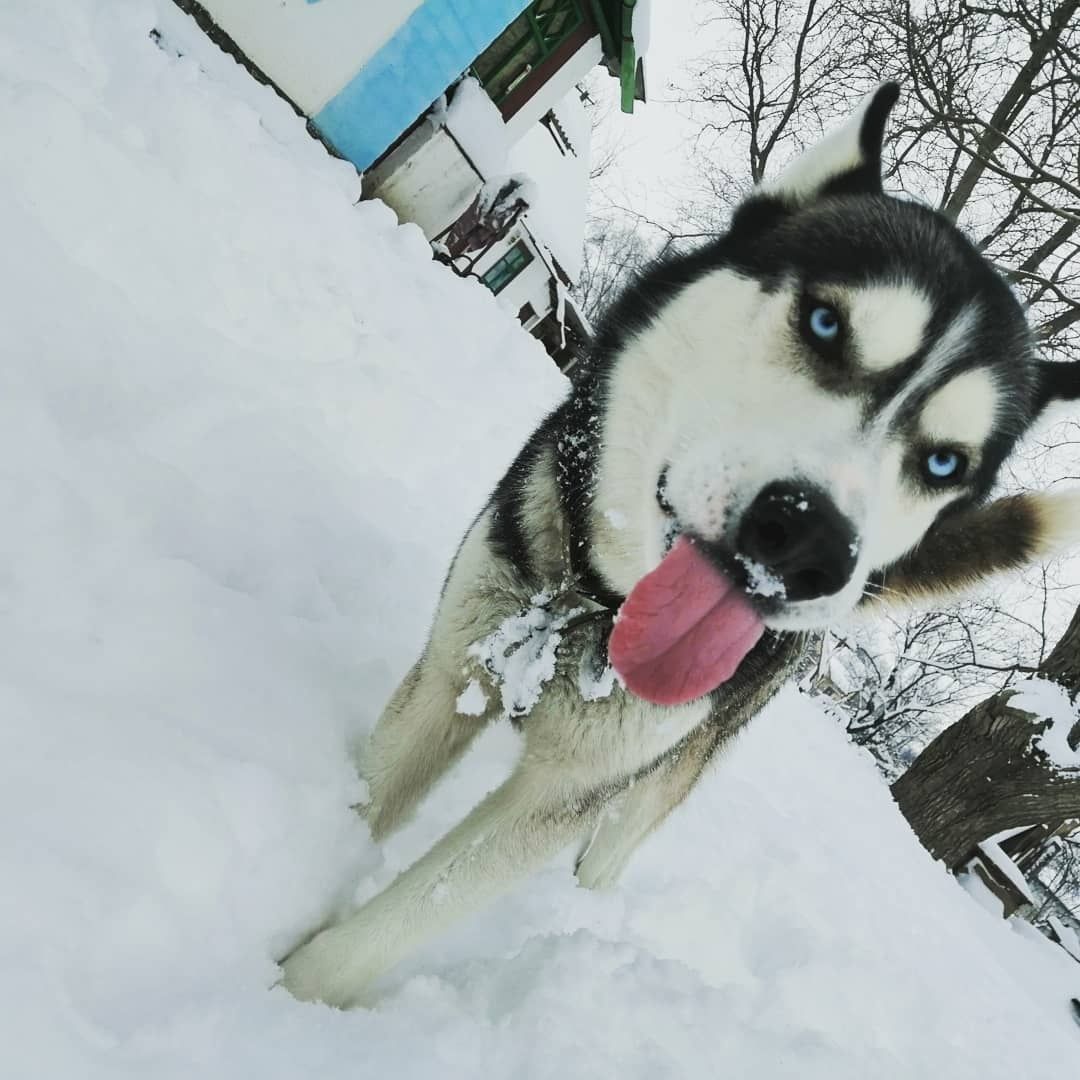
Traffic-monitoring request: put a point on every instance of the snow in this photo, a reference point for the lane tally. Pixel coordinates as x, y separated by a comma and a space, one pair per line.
472, 701
245, 424
1050, 701
981, 893
641, 26
760, 580
475, 121
555, 184
519, 654
520, 187
992, 853
1069, 938
557, 217
595, 682
1008, 834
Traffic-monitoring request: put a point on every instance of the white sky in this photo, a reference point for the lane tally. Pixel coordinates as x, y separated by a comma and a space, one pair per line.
652, 169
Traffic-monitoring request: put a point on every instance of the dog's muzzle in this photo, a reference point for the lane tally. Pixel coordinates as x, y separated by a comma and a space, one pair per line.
797, 535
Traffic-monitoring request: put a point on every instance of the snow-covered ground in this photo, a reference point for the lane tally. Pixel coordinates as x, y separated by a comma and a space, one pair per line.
244, 422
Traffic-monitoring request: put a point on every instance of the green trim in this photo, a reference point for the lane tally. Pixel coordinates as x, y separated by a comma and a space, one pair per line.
607, 39
534, 46
615, 21
628, 60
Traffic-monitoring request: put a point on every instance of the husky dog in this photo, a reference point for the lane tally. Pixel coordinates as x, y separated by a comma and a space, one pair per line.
804, 416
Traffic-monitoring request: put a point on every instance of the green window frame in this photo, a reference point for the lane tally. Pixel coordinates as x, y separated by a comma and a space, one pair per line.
505, 269
532, 37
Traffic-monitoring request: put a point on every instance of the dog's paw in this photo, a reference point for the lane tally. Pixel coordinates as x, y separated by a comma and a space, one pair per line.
325, 970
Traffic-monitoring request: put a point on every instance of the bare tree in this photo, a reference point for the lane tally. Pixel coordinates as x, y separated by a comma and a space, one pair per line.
605, 141
897, 681
784, 70
987, 772
992, 128
617, 245
615, 249
784, 67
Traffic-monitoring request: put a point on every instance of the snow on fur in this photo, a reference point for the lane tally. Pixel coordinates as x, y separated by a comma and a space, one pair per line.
245, 423
520, 654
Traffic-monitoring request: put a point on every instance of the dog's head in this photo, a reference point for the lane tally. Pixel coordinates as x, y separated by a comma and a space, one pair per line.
812, 397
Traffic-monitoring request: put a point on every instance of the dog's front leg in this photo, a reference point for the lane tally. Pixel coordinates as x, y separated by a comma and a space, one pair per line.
419, 736
512, 832
644, 804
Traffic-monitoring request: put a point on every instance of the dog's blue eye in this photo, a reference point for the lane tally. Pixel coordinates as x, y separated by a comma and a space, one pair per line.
945, 464
824, 322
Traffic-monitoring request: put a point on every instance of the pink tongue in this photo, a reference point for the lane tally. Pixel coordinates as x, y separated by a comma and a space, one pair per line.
683, 630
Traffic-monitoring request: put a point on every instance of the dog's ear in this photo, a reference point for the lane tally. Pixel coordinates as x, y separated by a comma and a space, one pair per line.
846, 161
963, 549
1058, 381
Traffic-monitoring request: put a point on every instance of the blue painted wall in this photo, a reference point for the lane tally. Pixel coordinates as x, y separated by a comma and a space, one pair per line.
428, 52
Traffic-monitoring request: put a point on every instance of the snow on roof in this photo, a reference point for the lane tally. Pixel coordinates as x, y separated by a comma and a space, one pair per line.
1006, 834
992, 853
475, 121
562, 180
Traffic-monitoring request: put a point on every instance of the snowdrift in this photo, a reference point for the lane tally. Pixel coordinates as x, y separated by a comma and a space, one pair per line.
244, 423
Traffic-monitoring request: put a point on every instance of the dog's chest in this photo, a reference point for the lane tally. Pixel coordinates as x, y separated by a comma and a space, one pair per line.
573, 711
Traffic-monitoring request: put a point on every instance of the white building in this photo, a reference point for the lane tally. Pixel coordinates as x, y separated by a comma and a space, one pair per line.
445, 104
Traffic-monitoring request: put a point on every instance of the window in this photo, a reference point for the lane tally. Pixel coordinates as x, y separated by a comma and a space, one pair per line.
530, 38
508, 267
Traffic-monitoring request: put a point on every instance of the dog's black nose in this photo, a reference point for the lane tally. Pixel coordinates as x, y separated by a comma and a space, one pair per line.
797, 534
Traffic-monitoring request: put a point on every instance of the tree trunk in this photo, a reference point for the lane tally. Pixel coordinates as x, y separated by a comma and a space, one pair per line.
982, 775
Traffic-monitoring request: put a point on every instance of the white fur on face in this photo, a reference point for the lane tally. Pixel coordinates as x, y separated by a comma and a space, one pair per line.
715, 390
962, 411
900, 515
941, 354
712, 390
887, 322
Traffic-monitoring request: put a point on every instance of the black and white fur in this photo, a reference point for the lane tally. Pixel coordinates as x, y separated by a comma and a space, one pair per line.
708, 392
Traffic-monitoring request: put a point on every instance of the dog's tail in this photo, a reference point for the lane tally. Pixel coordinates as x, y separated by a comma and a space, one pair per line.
964, 549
